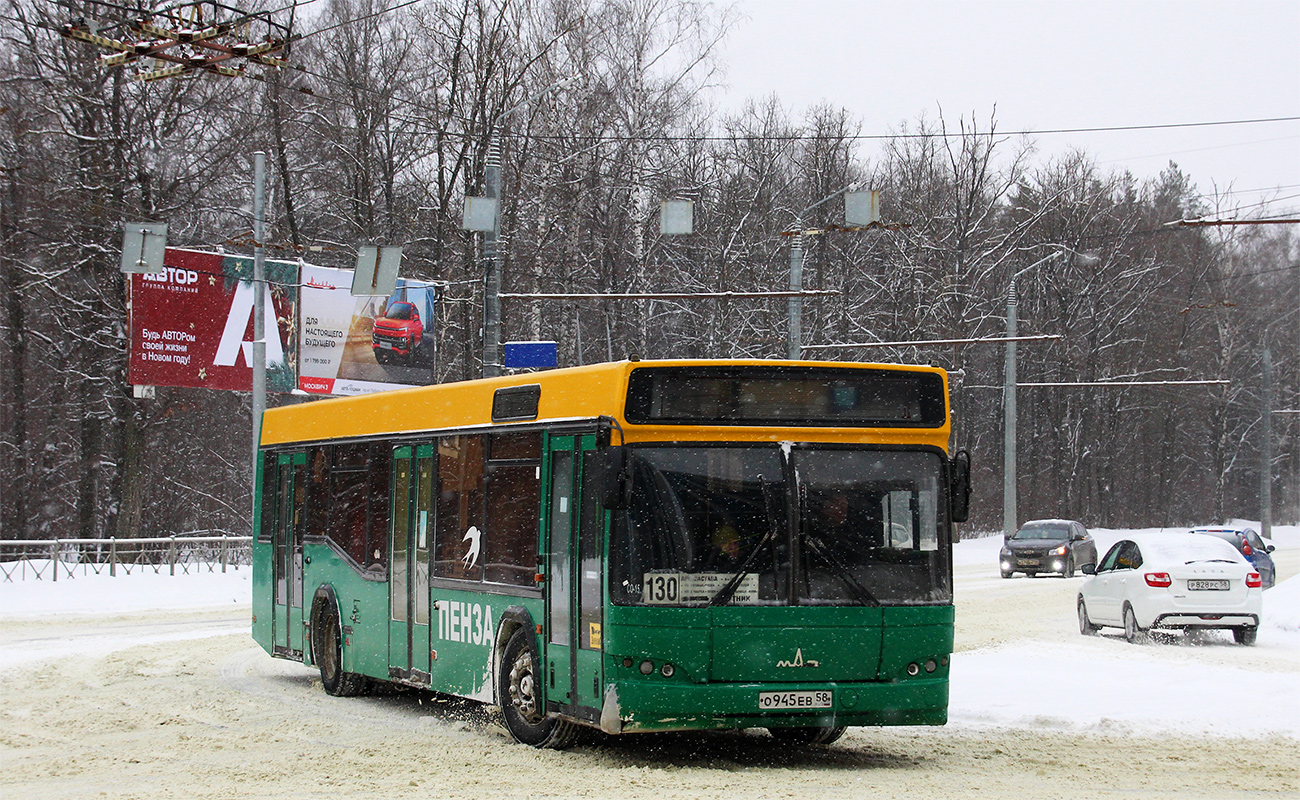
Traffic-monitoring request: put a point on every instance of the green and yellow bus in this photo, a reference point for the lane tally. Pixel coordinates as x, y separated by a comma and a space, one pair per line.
633, 546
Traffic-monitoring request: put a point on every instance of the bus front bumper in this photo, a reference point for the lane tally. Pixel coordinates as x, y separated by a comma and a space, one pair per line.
641, 706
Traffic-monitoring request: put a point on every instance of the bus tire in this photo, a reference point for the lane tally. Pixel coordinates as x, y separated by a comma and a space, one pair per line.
327, 648
518, 691
812, 734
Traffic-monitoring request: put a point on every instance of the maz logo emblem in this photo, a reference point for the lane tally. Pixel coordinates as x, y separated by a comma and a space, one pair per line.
798, 661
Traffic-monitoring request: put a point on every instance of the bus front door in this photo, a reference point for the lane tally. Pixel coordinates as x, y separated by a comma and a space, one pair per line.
574, 595
286, 617
408, 630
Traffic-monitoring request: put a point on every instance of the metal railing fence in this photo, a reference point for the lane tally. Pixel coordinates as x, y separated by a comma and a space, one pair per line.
52, 559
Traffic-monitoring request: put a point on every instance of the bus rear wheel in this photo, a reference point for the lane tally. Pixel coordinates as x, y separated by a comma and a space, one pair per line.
815, 734
519, 692
327, 648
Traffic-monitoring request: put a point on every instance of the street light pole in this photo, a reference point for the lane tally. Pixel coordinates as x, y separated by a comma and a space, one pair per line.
1009, 420
259, 301
1266, 450
492, 261
1009, 499
492, 239
794, 340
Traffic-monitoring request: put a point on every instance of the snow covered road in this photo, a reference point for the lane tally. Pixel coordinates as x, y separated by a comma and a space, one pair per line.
176, 701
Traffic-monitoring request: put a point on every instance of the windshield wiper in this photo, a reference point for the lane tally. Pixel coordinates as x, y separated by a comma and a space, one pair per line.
860, 592
725, 593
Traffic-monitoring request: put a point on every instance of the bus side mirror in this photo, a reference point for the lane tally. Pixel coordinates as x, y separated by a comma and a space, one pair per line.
616, 480
959, 487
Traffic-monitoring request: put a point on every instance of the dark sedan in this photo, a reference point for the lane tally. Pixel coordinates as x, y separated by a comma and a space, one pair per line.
1058, 546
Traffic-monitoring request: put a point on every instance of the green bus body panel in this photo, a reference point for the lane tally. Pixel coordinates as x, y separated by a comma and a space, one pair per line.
796, 643
914, 635
755, 649
263, 591
363, 607
669, 705
464, 630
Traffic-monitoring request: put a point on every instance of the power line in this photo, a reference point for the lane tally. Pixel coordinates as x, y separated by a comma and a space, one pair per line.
1210, 223
668, 295
920, 342
938, 135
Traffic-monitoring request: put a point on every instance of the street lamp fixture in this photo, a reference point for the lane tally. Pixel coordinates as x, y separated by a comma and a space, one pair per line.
859, 211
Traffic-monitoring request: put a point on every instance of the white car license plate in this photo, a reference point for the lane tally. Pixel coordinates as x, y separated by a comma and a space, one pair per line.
793, 701
1207, 586
386, 345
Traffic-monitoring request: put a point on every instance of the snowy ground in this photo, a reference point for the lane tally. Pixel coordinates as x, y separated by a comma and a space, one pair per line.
149, 686
1059, 679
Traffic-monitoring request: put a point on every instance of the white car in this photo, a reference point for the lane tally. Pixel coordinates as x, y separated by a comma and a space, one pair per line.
1179, 581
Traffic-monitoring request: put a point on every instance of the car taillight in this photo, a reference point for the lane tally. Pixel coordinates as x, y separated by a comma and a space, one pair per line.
1158, 579
1245, 550
1253, 581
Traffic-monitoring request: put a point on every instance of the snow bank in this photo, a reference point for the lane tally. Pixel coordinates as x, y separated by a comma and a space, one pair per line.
140, 591
1109, 686
1282, 605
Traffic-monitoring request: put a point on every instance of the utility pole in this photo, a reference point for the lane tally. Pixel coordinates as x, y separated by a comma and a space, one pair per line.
492, 235
1266, 450
259, 303
1009, 420
794, 343
492, 261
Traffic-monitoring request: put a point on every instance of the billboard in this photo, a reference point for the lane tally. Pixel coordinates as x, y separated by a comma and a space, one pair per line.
192, 323
356, 345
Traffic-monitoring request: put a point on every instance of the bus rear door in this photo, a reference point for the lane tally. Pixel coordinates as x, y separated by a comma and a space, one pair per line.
286, 541
574, 597
408, 630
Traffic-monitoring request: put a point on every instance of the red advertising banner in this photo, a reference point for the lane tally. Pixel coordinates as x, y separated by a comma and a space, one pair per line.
192, 323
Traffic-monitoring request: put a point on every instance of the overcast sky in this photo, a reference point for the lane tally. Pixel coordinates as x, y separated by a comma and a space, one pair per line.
1049, 65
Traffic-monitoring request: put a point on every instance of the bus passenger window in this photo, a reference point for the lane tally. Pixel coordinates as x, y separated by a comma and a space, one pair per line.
378, 511
510, 529
458, 545
269, 485
358, 515
348, 515
318, 496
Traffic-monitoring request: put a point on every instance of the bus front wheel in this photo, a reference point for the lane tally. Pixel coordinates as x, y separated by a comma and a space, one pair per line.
327, 647
519, 692
813, 734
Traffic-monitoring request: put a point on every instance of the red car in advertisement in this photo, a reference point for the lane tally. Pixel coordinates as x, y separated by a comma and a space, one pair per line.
397, 333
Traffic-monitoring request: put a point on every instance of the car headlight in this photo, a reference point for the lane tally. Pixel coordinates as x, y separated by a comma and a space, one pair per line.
1006, 552
1062, 550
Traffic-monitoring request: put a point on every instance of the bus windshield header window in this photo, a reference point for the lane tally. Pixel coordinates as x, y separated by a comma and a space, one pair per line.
797, 396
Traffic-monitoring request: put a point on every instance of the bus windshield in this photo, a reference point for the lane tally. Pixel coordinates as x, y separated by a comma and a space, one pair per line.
714, 524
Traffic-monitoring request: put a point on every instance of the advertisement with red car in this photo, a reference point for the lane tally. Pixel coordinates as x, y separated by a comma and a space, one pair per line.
354, 345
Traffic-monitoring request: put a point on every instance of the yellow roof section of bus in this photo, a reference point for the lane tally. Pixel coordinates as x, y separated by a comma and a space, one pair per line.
570, 393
